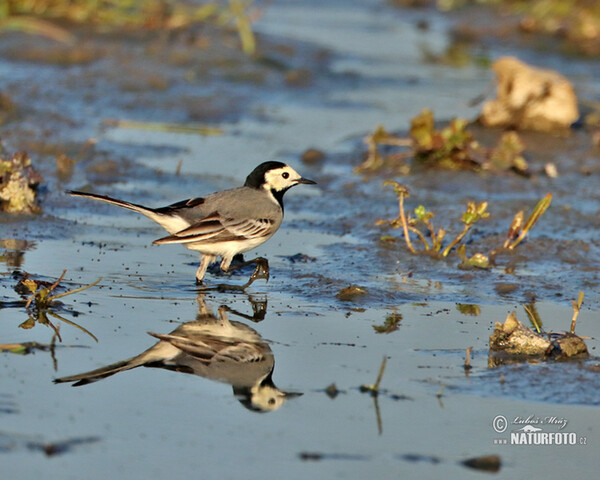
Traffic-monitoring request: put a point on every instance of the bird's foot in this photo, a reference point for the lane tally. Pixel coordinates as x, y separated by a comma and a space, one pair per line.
261, 270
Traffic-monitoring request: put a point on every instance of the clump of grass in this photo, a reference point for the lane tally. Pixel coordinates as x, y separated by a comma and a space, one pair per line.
421, 225
41, 17
450, 147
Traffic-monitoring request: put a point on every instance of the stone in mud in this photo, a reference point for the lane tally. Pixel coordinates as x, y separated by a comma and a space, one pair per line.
351, 293
18, 184
567, 346
515, 339
530, 98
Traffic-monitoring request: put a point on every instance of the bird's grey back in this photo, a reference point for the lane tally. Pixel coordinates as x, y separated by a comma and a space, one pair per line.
237, 203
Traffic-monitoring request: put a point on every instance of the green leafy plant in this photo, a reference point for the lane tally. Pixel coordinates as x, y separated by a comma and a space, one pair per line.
450, 147
474, 213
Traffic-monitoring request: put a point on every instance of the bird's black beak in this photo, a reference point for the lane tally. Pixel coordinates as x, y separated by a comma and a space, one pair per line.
292, 394
306, 181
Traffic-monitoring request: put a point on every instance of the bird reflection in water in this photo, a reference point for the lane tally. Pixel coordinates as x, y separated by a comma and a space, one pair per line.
215, 348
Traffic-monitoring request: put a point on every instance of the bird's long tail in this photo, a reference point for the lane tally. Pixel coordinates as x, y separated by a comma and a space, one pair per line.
100, 373
149, 212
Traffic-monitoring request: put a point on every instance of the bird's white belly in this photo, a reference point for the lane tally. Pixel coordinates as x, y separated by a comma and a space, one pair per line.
227, 249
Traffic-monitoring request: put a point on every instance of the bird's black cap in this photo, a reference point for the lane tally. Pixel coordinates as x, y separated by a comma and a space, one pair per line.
257, 178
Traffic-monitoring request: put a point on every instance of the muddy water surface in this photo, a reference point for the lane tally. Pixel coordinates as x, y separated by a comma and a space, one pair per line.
176, 416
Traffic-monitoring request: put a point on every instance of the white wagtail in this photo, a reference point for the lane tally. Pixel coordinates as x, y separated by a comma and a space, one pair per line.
210, 347
224, 223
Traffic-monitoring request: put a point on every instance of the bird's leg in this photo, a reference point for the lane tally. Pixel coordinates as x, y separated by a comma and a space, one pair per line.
204, 263
261, 270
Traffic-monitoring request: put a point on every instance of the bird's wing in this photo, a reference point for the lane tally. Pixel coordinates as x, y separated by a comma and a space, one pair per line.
176, 208
216, 228
215, 349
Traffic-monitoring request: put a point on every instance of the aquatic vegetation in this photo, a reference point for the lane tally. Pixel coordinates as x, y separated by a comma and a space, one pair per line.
38, 16
374, 389
451, 147
517, 230
391, 323
474, 212
163, 127
468, 309
25, 347
467, 365
18, 185
576, 309
41, 302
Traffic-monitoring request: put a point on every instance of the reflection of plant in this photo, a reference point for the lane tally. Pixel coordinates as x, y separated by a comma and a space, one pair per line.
451, 147
41, 303
474, 212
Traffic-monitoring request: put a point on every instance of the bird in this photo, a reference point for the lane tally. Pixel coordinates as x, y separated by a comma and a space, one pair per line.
225, 223
212, 347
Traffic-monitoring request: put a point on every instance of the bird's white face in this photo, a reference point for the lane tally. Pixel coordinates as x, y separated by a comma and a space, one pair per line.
280, 179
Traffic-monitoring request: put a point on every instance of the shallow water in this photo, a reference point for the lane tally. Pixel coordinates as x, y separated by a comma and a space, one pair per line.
430, 415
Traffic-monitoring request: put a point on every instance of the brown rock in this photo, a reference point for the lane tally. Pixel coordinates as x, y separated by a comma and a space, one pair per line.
530, 98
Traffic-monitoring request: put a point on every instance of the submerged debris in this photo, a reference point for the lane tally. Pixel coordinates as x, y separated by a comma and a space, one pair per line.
332, 391
351, 293
530, 98
488, 463
391, 324
18, 185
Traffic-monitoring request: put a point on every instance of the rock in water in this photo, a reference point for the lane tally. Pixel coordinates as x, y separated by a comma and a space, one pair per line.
530, 98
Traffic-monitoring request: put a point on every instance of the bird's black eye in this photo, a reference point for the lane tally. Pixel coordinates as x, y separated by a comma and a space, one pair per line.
285, 175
